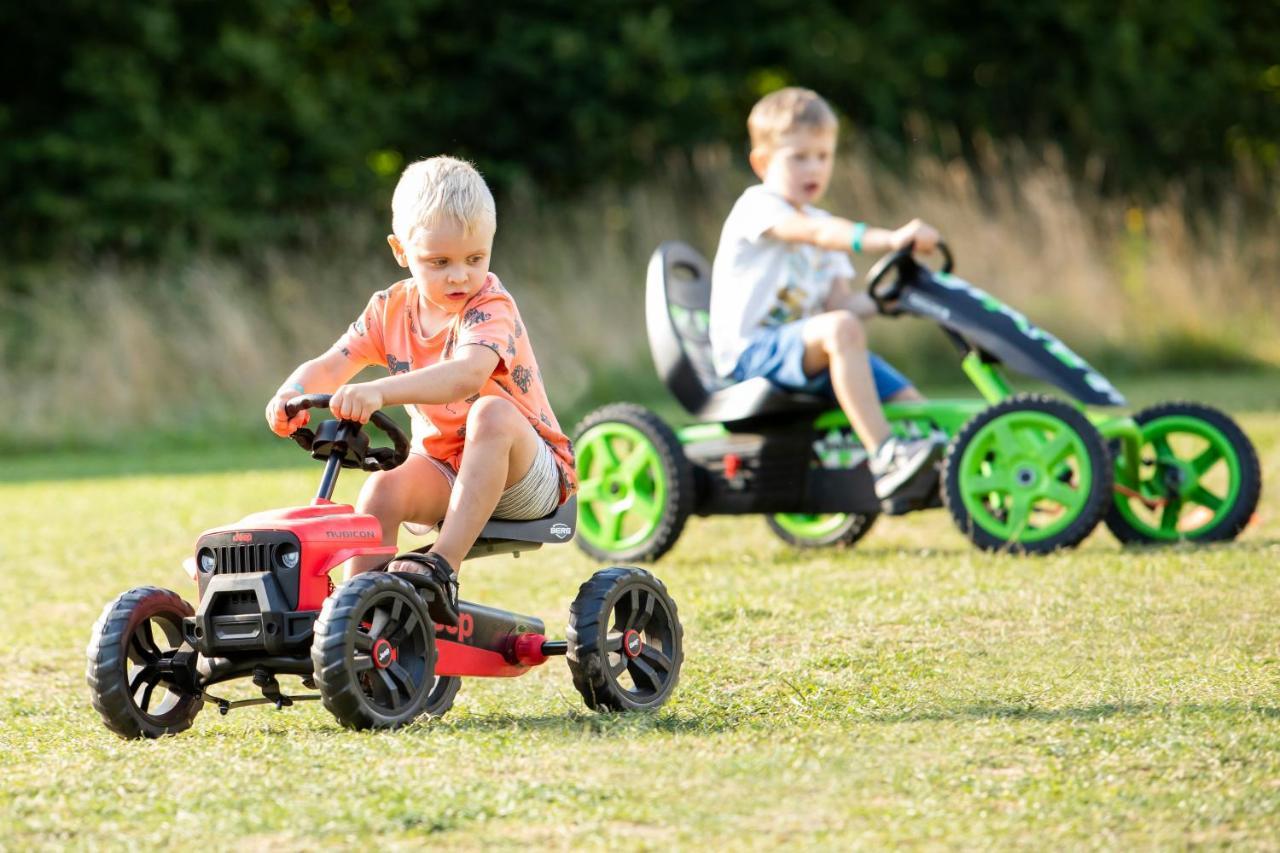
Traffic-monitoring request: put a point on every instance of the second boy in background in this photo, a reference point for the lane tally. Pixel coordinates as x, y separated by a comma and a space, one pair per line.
782, 303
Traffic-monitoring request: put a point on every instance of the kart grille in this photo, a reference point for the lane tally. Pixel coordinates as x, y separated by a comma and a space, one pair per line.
241, 559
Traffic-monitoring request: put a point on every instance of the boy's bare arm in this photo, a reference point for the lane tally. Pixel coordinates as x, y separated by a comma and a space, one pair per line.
836, 234
321, 375
443, 382
843, 296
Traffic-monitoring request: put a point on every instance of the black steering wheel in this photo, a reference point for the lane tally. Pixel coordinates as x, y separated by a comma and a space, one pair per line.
346, 437
885, 291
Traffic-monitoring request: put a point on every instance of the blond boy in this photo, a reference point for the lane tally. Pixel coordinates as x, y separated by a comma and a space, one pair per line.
782, 303
485, 440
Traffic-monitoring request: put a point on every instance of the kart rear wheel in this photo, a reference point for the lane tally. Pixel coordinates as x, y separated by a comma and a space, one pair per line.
805, 530
1198, 478
635, 487
374, 652
1028, 475
625, 641
134, 636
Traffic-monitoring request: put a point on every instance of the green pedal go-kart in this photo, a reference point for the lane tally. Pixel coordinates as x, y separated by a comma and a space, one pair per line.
1026, 473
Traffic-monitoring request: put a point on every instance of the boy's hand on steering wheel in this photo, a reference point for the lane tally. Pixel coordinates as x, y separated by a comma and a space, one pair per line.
918, 234
280, 423
356, 402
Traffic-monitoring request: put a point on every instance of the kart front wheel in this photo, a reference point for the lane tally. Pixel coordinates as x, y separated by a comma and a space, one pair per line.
635, 487
132, 647
1198, 478
1028, 475
373, 651
805, 530
625, 641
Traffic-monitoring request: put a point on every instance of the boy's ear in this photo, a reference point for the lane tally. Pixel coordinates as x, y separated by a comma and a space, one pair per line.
398, 250
759, 160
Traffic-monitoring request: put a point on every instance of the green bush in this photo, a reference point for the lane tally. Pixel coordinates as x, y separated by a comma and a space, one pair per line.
148, 127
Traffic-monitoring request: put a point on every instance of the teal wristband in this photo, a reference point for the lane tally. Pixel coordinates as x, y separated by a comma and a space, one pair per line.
859, 231
297, 386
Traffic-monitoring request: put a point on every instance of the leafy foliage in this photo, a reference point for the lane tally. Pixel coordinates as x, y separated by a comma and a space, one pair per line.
144, 126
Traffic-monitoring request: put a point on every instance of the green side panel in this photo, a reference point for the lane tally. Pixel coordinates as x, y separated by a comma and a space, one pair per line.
946, 415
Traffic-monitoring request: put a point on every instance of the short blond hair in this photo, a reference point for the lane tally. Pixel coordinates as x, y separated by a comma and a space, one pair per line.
785, 110
441, 188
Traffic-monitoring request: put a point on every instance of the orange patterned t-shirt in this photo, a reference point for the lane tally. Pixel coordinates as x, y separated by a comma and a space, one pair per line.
388, 333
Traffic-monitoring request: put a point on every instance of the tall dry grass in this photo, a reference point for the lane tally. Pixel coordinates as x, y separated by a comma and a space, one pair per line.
97, 350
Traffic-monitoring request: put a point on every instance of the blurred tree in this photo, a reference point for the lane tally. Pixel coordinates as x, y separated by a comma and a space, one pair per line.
145, 127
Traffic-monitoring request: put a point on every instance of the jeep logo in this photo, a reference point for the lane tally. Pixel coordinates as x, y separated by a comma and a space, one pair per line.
242, 537
560, 531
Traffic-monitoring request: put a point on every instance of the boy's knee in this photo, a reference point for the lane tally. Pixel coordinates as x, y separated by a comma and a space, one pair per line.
381, 497
844, 331
492, 417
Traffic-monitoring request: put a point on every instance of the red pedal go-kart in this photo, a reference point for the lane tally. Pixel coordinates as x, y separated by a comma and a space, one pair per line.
267, 607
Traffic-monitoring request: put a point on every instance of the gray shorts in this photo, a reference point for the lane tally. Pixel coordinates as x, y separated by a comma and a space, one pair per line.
535, 495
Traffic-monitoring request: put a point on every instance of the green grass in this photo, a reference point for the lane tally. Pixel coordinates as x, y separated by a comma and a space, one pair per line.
910, 691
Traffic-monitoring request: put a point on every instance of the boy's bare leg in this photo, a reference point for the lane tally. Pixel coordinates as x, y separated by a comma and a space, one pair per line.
416, 491
910, 394
501, 447
836, 340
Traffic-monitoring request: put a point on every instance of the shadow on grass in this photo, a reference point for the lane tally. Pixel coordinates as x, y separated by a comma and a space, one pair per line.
880, 552
574, 723
1084, 713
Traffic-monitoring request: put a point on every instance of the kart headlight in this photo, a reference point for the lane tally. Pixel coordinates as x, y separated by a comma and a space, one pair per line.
207, 561
288, 556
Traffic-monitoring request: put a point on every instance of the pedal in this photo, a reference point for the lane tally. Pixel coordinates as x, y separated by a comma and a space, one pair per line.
920, 492
430, 593
266, 681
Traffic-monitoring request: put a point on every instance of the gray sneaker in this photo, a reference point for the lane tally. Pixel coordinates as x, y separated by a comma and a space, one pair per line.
897, 461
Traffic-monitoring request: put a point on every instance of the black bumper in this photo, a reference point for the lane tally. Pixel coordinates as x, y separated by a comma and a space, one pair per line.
247, 613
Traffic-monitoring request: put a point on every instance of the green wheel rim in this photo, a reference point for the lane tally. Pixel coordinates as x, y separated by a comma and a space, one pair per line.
1183, 463
809, 526
1025, 476
622, 488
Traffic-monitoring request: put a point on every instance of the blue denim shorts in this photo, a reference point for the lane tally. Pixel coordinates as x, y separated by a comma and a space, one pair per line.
777, 354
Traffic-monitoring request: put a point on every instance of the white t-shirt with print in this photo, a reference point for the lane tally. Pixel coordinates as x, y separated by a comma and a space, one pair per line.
758, 282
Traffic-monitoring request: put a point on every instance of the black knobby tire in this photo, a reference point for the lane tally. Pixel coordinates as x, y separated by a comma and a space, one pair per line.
443, 692
1228, 524
1079, 520
610, 606
672, 467
853, 527
346, 650
122, 676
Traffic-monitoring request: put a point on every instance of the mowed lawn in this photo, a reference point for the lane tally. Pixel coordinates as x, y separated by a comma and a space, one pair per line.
910, 691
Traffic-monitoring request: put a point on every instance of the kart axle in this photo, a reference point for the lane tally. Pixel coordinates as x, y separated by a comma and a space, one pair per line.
225, 705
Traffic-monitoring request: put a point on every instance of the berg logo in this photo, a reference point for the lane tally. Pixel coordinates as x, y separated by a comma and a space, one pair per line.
560, 531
